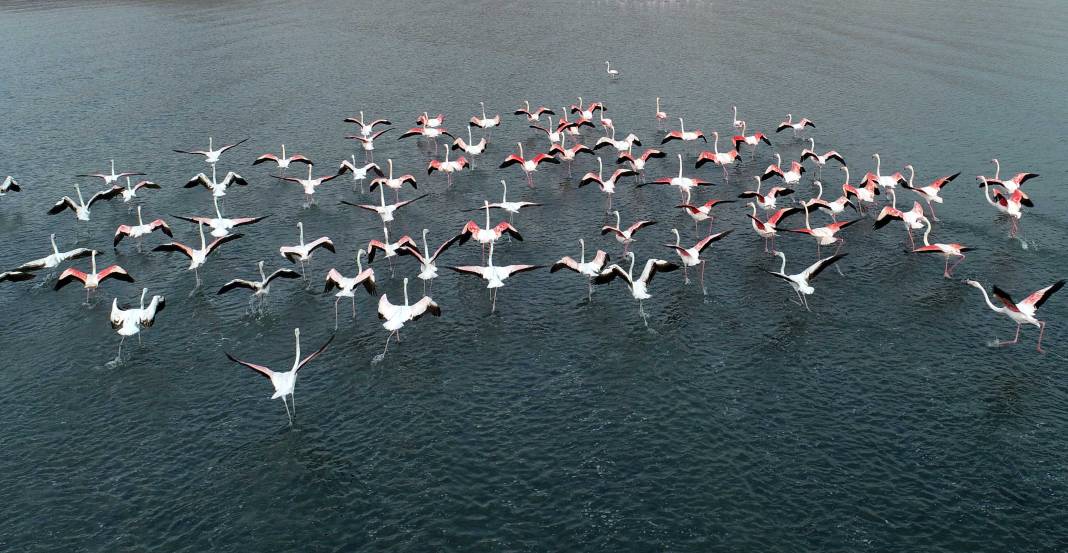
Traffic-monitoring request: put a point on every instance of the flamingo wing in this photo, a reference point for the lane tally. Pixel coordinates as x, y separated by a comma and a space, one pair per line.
313, 355
816, 268
258, 368
1036, 299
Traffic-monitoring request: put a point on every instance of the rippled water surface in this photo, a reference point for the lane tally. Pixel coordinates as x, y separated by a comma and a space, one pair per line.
736, 421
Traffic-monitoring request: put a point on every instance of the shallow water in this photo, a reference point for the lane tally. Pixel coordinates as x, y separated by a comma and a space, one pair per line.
882, 420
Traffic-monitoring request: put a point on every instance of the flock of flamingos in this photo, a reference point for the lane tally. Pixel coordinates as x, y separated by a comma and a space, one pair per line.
582, 130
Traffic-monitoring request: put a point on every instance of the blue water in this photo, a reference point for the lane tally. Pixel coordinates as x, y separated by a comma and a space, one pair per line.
883, 420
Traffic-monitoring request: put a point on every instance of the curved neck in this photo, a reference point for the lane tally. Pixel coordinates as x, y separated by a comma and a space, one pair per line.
600, 167
912, 175
997, 170
682, 127
927, 233
782, 269
382, 193
893, 196
678, 240
819, 188
520, 149
986, 192
846, 170
987, 299
215, 200
630, 271
878, 165
778, 160
715, 143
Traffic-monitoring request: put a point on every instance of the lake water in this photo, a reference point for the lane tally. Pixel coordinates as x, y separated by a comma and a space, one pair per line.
881, 421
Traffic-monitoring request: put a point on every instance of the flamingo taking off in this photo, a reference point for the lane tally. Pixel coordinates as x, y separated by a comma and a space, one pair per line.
1021, 313
285, 382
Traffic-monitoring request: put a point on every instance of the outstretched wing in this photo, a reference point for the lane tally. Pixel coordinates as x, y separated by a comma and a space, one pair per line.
317, 352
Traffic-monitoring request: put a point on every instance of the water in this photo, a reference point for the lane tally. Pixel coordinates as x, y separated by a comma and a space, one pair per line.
737, 421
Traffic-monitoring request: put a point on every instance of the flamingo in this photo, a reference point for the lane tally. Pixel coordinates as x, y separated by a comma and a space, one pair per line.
368, 143
802, 282
554, 136
489, 234
471, 148
1011, 205
388, 249
795, 125
752, 140
701, 212
283, 161
347, 286
625, 236
15, 276
9, 185
302, 252
660, 115
53, 259
588, 111
367, 128
529, 166
835, 208
110, 178
260, 288
683, 134
493, 275
533, 116
590, 268
684, 184
607, 186
638, 163
428, 269
510, 207
572, 128
217, 187
211, 155
568, 154
285, 382
612, 73
738, 123
768, 230
766, 201
792, 176
221, 226
825, 235
428, 132
130, 192
945, 250
140, 229
639, 287
691, 256
384, 211
620, 145
197, 257
309, 184
394, 183
446, 166
931, 192
485, 122
92, 279
426, 120
864, 193
885, 182
1021, 313
821, 160
129, 320
1010, 185
912, 219
358, 173
81, 207
396, 315
606, 123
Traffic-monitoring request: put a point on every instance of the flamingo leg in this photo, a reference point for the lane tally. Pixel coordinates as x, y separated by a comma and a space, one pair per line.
931, 206
686, 274
704, 291
288, 414
1041, 332
1014, 340
949, 272
335, 311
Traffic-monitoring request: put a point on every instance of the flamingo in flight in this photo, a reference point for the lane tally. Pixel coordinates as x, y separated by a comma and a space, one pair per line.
621, 146
1011, 205
931, 192
683, 135
489, 235
533, 116
1021, 313
388, 249
428, 269
946, 250
394, 183
701, 212
912, 219
217, 187
130, 192
625, 236
568, 154
639, 287
367, 128
825, 235
346, 287
835, 208
53, 259
589, 269
820, 159
211, 155
511, 208
221, 226
485, 122
92, 280
587, 111
638, 163
885, 182
310, 184
427, 132
769, 200
384, 211
260, 288
358, 173
302, 252
554, 136
768, 230
425, 120
81, 207
691, 256
368, 143
9, 185
283, 161
723, 159
752, 140
446, 166
285, 382
790, 176
529, 166
140, 229
684, 184
797, 126
1012, 184
112, 177
197, 256
608, 186
863, 193
396, 315
15, 276
470, 147
802, 282
129, 321
493, 275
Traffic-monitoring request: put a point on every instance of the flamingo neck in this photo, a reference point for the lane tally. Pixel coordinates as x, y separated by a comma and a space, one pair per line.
912, 174
504, 196
678, 240
682, 127
486, 205
878, 165
200, 227
405, 292
215, 201
390, 161
55, 249
778, 161
807, 224
301, 227
359, 264
997, 170
819, 187
927, 233
680, 166
989, 304
263, 277
617, 221
78, 190
283, 151
893, 196
382, 193
520, 150
92, 261
782, 269
140, 222
113, 167
846, 169
630, 271
296, 355
582, 251
143, 292
426, 248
